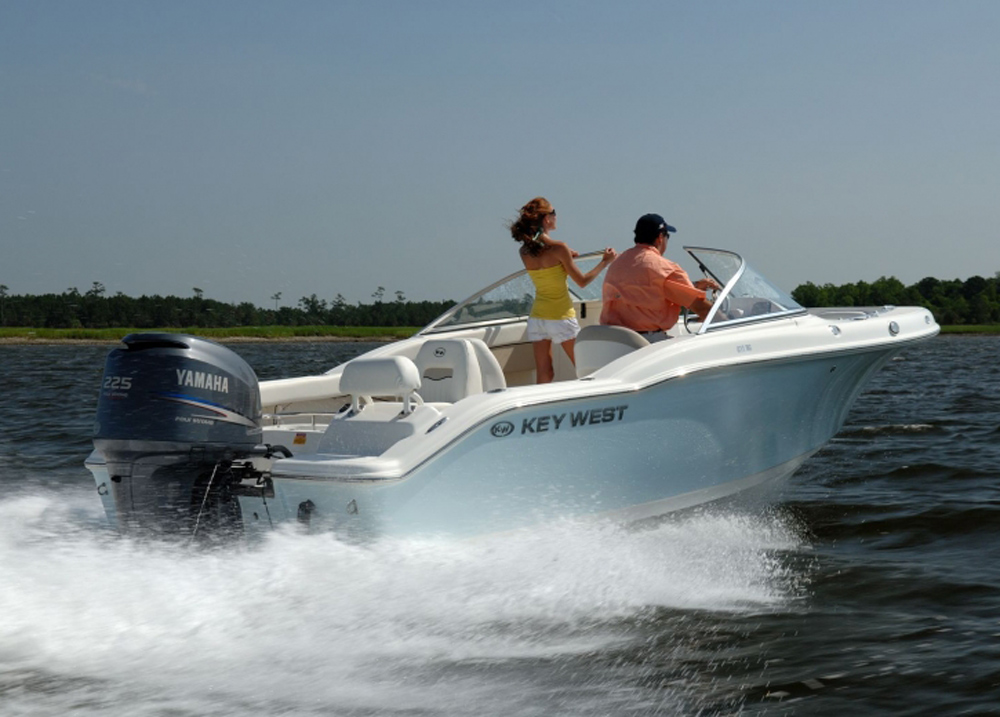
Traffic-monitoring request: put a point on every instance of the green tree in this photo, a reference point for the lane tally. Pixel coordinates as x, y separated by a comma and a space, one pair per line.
314, 308
808, 295
889, 291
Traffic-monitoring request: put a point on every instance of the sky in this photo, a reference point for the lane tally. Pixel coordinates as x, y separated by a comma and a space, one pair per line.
249, 148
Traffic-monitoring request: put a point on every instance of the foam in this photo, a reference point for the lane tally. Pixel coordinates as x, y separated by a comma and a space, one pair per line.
308, 621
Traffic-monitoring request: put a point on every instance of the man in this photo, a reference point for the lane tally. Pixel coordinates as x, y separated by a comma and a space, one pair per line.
644, 291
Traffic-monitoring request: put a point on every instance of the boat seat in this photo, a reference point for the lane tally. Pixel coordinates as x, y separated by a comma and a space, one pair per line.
370, 428
451, 369
598, 345
393, 376
375, 428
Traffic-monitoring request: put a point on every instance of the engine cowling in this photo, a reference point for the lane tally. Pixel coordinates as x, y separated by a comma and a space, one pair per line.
174, 412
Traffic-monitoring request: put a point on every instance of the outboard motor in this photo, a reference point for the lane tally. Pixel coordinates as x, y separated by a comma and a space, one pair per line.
174, 414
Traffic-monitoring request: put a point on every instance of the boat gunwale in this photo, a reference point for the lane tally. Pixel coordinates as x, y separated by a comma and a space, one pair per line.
600, 388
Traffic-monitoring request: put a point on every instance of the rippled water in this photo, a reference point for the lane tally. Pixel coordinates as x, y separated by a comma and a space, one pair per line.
871, 586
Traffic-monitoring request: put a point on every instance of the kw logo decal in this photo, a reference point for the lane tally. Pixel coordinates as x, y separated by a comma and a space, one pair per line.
501, 429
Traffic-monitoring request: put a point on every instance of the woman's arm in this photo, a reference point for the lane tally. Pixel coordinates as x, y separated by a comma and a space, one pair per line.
573, 271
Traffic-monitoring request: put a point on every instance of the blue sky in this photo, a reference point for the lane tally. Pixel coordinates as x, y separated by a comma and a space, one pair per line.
248, 148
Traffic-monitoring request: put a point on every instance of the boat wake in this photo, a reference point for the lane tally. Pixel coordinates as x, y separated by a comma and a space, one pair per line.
903, 429
307, 623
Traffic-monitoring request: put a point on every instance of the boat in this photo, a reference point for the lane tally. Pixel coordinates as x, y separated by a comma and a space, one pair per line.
446, 432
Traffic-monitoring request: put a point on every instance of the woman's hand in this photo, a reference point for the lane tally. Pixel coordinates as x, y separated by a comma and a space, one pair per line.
581, 279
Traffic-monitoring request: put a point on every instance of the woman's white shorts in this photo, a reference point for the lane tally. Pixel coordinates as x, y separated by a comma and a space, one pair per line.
558, 330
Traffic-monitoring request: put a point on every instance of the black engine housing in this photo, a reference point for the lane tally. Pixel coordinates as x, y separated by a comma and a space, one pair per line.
174, 413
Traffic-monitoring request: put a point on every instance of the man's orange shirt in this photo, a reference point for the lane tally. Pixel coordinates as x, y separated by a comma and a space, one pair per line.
644, 291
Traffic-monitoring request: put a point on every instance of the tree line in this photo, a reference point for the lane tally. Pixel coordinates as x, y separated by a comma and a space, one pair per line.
95, 309
973, 301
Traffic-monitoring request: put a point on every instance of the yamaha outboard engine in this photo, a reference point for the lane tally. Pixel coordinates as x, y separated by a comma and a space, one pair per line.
174, 414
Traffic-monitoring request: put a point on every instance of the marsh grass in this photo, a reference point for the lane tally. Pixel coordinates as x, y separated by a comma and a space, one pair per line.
276, 333
971, 329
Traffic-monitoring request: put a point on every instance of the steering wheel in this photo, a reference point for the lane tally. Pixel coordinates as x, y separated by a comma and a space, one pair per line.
724, 306
713, 295
690, 318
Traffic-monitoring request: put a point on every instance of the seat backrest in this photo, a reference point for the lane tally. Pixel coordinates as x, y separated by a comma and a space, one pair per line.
395, 376
489, 367
451, 369
597, 346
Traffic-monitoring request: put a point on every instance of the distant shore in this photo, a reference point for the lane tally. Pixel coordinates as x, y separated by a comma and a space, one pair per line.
249, 334
966, 330
50, 341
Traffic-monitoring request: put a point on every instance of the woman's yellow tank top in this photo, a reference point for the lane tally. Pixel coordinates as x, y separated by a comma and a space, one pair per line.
552, 299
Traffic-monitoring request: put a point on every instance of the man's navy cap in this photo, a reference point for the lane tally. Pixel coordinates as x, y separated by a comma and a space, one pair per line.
650, 225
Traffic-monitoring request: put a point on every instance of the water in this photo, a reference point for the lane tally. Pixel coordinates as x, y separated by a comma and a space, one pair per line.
871, 586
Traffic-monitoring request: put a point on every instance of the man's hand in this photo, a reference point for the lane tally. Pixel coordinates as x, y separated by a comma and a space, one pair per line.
706, 284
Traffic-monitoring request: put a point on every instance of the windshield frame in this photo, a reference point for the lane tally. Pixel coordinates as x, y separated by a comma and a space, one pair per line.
441, 323
710, 323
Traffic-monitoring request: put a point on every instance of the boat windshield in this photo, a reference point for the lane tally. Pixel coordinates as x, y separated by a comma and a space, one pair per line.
746, 295
510, 298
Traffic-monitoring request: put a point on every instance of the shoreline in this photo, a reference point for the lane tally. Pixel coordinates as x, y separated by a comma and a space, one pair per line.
47, 341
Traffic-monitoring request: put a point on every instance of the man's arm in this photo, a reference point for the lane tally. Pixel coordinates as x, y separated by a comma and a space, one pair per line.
701, 307
678, 289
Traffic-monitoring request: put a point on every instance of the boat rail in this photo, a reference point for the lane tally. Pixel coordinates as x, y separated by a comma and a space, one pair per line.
313, 418
851, 314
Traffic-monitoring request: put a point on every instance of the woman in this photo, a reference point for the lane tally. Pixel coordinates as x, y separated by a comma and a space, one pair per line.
548, 263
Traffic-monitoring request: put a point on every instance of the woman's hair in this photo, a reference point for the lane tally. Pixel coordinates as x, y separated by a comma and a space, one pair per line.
529, 223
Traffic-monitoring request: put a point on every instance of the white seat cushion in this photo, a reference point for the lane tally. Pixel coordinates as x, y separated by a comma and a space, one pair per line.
392, 376
597, 346
449, 370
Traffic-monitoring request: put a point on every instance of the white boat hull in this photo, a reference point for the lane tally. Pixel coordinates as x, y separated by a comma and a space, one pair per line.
625, 455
